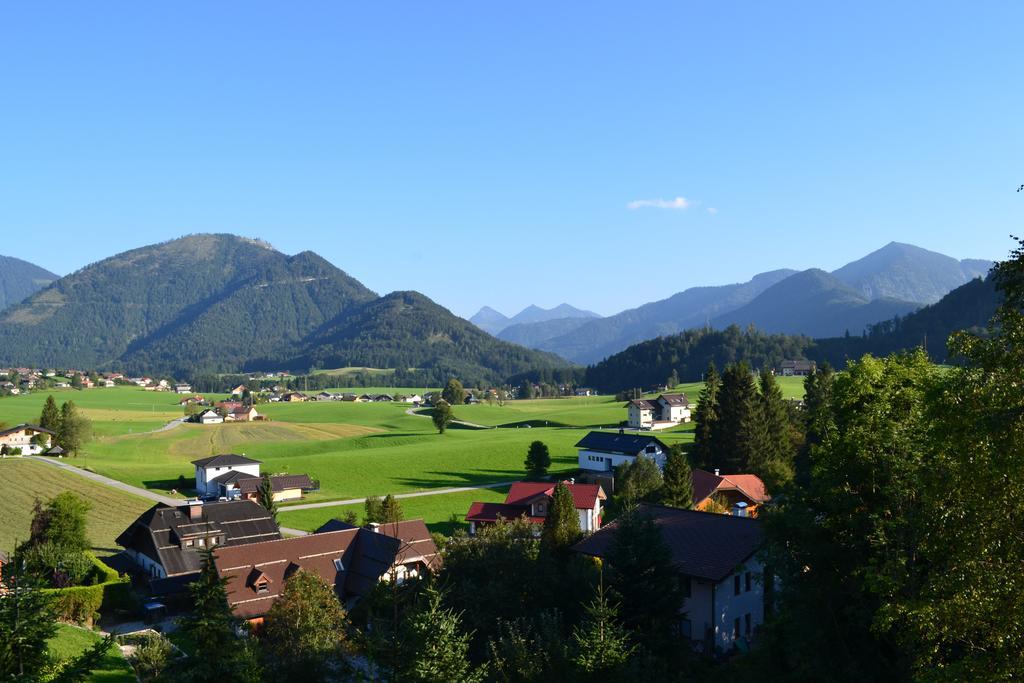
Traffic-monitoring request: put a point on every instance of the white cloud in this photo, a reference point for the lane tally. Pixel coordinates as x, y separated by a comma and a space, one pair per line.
712, 210
677, 203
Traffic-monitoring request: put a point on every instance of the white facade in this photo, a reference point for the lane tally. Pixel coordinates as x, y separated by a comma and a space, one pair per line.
209, 417
205, 475
640, 417
151, 566
731, 614
600, 461
21, 437
590, 519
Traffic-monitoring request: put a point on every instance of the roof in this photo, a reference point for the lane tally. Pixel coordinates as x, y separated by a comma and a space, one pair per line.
704, 545
584, 496
158, 533
643, 404
618, 442
365, 556
705, 484
278, 483
18, 428
675, 399
225, 460
489, 512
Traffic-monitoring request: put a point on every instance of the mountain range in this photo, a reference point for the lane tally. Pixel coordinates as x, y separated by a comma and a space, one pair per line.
892, 281
20, 279
222, 303
492, 321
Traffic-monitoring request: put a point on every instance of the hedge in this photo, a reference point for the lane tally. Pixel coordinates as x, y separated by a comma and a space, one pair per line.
108, 590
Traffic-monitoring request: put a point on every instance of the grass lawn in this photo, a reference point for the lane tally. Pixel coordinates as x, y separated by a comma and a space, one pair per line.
436, 511
25, 480
117, 410
72, 641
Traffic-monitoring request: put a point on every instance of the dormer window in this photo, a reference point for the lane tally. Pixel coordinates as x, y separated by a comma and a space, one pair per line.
339, 565
262, 587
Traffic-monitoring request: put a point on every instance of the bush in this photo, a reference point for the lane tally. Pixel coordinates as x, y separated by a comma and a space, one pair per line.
106, 590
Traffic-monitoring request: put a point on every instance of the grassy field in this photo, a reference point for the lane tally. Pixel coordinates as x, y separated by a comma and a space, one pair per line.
71, 641
113, 411
26, 480
436, 511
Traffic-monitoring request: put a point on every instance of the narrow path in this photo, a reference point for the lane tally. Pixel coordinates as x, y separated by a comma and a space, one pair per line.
176, 422
472, 425
417, 494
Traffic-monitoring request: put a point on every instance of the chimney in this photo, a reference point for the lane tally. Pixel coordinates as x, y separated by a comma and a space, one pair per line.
716, 472
195, 510
572, 480
374, 527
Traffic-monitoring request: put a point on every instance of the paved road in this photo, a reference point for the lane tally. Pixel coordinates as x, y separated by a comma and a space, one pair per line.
177, 422
473, 425
431, 492
128, 488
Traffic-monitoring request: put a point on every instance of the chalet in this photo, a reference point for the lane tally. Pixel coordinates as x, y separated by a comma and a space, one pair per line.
242, 414
294, 396
604, 451
211, 471
533, 500
31, 439
183, 388
663, 412
349, 398
801, 368
324, 396
352, 560
107, 383
716, 557
414, 399
165, 542
239, 390
209, 417
743, 493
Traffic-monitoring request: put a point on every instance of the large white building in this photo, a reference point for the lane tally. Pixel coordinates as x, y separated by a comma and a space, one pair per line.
604, 451
663, 412
219, 467
723, 578
28, 439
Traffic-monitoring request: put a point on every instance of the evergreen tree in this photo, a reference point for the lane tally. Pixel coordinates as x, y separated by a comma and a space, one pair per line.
374, 510
390, 510
677, 490
265, 496
673, 379
734, 434
526, 390
645, 579
454, 393
50, 417
27, 621
705, 417
442, 415
75, 428
305, 631
218, 654
562, 524
773, 458
538, 460
818, 418
601, 645
439, 649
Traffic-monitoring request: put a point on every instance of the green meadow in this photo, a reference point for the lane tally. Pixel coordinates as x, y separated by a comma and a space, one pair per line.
71, 641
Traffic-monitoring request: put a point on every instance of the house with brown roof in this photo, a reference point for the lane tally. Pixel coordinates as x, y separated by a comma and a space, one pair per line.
743, 494
717, 559
667, 410
532, 499
165, 542
351, 560
242, 414
797, 368
26, 439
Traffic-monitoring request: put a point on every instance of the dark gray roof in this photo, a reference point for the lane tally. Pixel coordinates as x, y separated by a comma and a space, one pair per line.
159, 532
281, 482
615, 442
704, 545
24, 425
334, 525
225, 460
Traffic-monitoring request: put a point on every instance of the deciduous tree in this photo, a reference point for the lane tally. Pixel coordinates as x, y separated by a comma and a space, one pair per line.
442, 415
454, 393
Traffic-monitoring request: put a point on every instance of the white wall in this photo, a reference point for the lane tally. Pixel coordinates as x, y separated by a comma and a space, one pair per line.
727, 606
153, 568
609, 461
205, 474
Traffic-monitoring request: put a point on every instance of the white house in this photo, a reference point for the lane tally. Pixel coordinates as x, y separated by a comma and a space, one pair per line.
21, 437
210, 417
533, 499
604, 451
208, 470
183, 388
716, 555
415, 398
800, 368
666, 411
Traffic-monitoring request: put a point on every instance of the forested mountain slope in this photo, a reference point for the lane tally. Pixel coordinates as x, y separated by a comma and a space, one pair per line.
20, 279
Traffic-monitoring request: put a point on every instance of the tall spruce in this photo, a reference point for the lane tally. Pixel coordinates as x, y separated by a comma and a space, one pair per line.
677, 489
538, 460
438, 647
601, 645
735, 434
562, 524
705, 417
819, 421
391, 510
265, 495
75, 428
50, 417
772, 459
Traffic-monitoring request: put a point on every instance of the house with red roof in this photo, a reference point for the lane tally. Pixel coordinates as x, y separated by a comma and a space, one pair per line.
532, 499
743, 493
717, 558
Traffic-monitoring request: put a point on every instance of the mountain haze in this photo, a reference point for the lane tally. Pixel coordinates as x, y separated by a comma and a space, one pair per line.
494, 322
20, 279
219, 303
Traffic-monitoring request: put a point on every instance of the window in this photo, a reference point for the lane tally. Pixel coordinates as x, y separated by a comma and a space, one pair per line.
189, 544
736, 585
200, 542
746, 629
339, 565
747, 578
736, 628
262, 587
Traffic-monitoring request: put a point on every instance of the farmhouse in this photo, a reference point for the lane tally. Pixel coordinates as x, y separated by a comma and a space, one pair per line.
716, 557
210, 472
242, 414
604, 451
31, 439
743, 493
666, 411
209, 417
350, 559
802, 368
533, 500
183, 388
294, 396
165, 541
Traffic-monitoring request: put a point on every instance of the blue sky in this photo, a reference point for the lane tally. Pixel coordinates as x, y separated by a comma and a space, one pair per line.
604, 154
